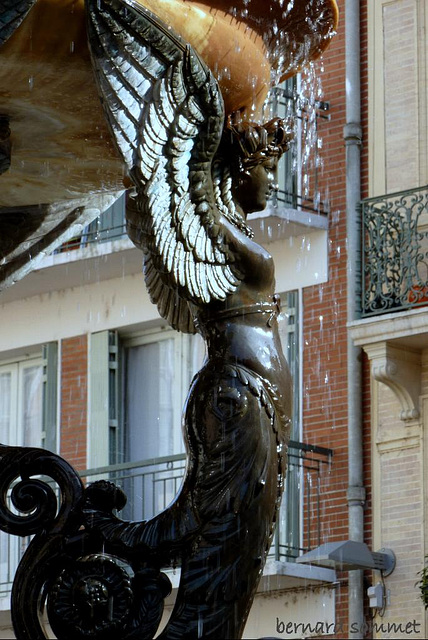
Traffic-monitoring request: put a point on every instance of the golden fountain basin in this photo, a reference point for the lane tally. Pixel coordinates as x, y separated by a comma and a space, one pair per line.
61, 147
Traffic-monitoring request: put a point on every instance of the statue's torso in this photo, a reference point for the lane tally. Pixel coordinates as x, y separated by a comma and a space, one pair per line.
243, 330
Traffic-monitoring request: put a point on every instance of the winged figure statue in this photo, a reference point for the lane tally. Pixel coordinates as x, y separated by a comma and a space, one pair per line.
197, 175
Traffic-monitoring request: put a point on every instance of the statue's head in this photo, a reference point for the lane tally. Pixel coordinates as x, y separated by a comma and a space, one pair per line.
253, 151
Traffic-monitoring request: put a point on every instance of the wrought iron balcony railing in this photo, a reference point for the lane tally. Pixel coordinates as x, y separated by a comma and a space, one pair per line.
151, 485
395, 252
298, 169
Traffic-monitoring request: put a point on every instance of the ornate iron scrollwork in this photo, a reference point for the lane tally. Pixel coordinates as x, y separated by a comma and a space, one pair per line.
395, 256
88, 593
100, 596
91, 598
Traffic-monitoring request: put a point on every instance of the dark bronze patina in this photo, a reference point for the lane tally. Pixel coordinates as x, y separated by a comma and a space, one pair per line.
195, 181
196, 176
235, 426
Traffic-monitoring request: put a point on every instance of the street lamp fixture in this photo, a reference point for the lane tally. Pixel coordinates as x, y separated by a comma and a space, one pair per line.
349, 556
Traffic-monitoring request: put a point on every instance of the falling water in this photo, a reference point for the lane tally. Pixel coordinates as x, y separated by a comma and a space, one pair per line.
309, 97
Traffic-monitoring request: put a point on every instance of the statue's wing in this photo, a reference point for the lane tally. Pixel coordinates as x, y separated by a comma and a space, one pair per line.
166, 113
12, 13
28, 233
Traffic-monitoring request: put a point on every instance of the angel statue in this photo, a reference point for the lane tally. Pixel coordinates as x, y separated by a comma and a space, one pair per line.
196, 178
198, 170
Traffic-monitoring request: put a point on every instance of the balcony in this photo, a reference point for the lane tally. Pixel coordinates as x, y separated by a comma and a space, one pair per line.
395, 252
152, 484
102, 251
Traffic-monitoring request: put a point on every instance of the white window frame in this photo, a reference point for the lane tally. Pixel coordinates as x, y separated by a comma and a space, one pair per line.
15, 437
11, 547
181, 383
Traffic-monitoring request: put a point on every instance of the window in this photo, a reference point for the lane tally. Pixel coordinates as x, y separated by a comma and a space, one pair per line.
289, 334
110, 225
282, 103
158, 369
288, 534
138, 386
21, 416
21, 403
28, 417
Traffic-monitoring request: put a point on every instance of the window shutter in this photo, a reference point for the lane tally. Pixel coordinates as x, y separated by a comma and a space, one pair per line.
104, 399
283, 105
50, 396
290, 532
115, 402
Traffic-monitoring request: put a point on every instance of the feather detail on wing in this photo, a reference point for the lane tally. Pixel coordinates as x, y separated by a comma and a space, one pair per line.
12, 13
166, 113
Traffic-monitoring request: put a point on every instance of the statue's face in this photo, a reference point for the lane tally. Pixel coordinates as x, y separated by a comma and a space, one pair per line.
252, 189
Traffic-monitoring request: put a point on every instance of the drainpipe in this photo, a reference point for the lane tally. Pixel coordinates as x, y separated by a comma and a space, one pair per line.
352, 136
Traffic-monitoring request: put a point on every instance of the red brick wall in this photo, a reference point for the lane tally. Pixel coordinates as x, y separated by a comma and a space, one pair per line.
324, 314
74, 398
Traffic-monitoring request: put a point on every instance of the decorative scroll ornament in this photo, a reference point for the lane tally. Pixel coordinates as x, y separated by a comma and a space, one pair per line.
99, 596
90, 599
51, 521
399, 368
90, 594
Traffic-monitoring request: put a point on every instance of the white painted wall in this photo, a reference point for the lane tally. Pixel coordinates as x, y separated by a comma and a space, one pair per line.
121, 301
292, 614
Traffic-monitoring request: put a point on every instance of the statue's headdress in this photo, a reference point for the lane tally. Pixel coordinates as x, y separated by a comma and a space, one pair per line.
254, 143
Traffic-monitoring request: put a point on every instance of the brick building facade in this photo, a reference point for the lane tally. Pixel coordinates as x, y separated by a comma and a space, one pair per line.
74, 401
92, 305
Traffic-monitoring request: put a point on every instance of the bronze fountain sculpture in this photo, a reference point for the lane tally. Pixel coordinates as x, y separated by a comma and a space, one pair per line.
58, 162
197, 171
